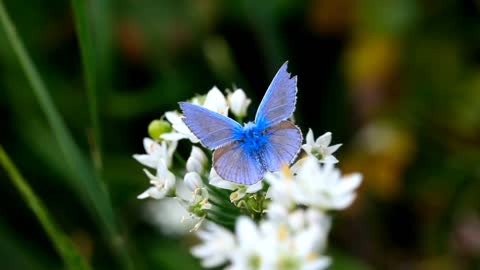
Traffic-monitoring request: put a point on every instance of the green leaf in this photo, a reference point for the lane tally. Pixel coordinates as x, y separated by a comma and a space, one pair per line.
72, 259
83, 178
91, 67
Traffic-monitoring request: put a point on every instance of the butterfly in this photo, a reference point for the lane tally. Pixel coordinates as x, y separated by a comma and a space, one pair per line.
244, 153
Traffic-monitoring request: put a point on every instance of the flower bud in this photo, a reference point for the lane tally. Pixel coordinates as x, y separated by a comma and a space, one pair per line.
158, 127
197, 161
193, 181
238, 102
215, 101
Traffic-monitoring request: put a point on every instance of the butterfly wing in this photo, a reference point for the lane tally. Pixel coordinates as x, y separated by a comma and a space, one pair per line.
213, 129
234, 164
284, 142
279, 100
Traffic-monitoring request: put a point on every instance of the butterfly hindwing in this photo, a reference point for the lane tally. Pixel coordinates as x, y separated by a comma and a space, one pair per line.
213, 129
232, 163
285, 140
278, 103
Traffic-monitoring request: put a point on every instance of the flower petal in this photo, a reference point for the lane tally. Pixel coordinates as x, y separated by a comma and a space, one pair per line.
309, 138
324, 140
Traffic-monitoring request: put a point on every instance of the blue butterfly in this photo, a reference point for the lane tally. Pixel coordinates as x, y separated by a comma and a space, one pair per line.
243, 154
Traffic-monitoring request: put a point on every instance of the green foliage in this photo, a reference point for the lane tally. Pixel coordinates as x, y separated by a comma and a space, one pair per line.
83, 178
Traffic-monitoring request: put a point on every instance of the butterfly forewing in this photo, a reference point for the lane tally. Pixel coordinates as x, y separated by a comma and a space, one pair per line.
232, 163
213, 129
285, 140
278, 103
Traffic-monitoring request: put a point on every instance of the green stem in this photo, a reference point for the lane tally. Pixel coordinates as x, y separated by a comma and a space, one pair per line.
70, 255
180, 159
225, 215
220, 196
226, 206
239, 119
224, 223
221, 193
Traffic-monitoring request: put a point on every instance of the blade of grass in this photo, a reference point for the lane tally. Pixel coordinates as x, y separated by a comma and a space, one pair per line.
99, 13
89, 57
83, 178
72, 259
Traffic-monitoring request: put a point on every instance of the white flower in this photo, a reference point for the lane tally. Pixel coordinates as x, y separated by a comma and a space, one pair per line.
323, 187
276, 212
197, 161
196, 206
296, 250
318, 219
310, 224
166, 215
303, 220
216, 101
248, 254
163, 183
155, 152
282, 187
180, 129
217, 245
272, 246
193, 181
301, 251
320, 148
239, 191
238, 102
267, 246
296, 241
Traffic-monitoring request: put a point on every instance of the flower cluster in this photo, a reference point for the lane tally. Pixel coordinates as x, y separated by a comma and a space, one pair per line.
281, 222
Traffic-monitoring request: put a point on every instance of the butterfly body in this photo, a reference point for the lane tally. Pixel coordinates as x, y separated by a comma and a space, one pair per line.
253, 137
244, 153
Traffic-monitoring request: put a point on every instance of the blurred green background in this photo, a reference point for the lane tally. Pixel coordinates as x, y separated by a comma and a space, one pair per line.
397, 82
